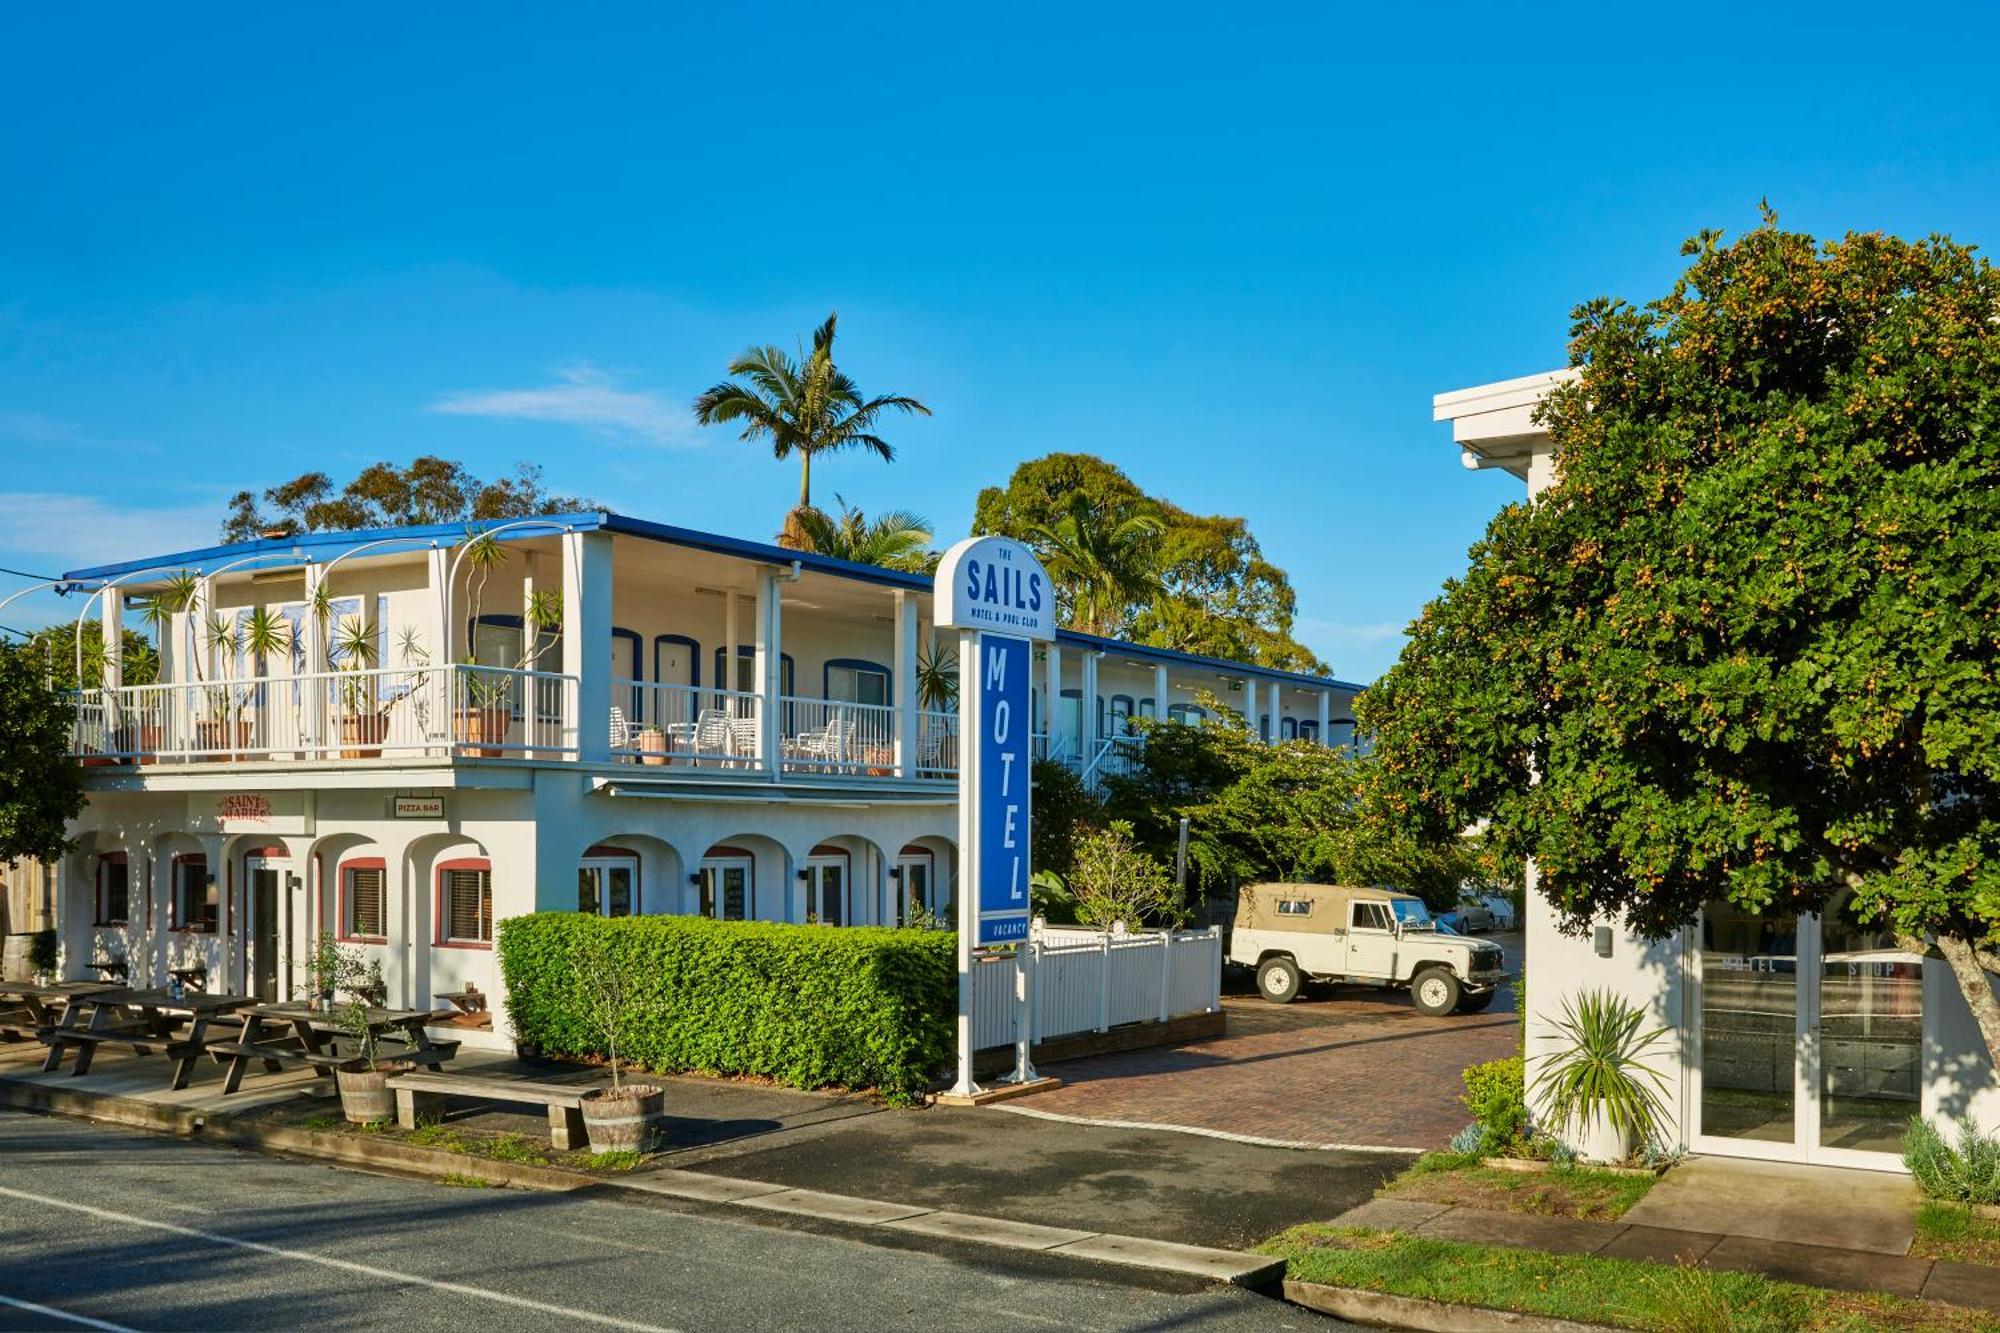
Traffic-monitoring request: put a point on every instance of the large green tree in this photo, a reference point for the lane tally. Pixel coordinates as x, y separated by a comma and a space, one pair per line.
54, 649
1744, 648
428, 489
41, 786
1209, 588
805, 405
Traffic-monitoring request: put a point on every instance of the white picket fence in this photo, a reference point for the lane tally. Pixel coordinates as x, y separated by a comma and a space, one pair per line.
1090, 981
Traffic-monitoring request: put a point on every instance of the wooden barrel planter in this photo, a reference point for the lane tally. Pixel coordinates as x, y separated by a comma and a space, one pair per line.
364, 1093
633, 1119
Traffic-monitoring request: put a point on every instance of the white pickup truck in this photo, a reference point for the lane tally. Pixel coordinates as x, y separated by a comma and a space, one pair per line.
1292, 933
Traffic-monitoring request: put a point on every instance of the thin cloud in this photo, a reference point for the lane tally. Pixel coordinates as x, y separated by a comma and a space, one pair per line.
583, 396
60, 531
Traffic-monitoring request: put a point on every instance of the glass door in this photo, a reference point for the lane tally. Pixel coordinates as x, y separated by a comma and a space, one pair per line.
605, 885
1809, 1036
826, 891
726, 888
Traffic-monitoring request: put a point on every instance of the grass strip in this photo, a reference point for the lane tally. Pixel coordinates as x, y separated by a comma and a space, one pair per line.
1621, 1292
1464, 1180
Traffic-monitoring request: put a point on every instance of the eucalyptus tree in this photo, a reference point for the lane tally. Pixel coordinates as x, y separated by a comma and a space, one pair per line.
804, 405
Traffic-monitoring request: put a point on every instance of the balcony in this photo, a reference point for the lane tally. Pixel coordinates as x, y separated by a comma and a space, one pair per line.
472, 712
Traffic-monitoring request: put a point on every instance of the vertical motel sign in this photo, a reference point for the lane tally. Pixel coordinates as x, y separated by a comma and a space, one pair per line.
996, 594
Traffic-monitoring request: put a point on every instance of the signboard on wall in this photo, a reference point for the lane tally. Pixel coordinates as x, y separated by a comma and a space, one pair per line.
249, 812
1004, 665
416, 807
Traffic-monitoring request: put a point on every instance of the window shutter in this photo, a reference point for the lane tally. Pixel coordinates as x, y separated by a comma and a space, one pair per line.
468, 904
367, 905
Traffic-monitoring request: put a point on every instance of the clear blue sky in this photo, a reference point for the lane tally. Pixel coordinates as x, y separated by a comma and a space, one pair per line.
1233, 249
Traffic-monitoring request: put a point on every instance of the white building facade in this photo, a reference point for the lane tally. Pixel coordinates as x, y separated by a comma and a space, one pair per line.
400, 737
1804, 1039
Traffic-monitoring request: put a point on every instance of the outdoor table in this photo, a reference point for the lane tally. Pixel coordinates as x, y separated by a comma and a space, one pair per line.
41, 1006
141, 1019
294, 1033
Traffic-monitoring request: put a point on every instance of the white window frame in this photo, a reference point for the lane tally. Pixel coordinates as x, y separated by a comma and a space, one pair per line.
713, 867
602, 866
816, 866
348, 929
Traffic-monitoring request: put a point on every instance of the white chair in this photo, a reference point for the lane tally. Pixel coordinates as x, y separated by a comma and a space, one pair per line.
712, 734
621, 730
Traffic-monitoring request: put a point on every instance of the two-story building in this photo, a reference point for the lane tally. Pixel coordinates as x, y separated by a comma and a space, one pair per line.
403, 737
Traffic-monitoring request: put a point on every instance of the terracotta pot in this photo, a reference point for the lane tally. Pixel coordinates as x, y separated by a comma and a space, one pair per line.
364, 1093
213, 738
361, 735
482, 731
631, 1120
652, 747
151, 736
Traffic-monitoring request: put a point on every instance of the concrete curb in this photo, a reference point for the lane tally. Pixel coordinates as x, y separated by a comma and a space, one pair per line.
1379, 1310
1233, 1266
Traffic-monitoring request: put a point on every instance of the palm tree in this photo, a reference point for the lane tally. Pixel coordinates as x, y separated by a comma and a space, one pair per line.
1101, 564
805, 406
899, 539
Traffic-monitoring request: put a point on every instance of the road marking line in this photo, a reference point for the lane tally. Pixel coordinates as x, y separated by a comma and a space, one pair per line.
346, 1265
1252, 1139
54, 1313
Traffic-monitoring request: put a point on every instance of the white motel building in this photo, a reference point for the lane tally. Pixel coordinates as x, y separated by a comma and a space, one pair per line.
705, 726
1803, 1039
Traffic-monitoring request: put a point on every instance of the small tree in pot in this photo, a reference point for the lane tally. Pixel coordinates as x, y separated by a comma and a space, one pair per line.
624, 1116
364, 1078
1596, 1089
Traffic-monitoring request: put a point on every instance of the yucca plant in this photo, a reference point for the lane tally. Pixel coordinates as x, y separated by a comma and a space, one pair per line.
937, 678
1600, 1067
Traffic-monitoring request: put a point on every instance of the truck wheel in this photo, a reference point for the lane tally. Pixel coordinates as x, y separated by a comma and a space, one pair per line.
1278, 980
1476, 1004
1436, 991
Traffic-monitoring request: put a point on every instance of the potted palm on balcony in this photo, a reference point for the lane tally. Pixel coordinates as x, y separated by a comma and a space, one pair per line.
488, 701
363, 720
222, 732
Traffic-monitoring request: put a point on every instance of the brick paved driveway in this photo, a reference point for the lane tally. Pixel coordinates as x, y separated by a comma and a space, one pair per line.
1340, 1067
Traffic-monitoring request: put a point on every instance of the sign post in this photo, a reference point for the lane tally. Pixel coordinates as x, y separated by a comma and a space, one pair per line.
996, 594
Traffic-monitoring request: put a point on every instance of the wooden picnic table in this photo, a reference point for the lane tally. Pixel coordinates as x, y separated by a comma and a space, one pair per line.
140, 1019
26, 1007
296, 1034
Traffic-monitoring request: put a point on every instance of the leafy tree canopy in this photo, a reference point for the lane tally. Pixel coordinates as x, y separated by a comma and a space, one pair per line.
1744, 647
53, 650
41, 786
1295, 811
1208, 588
429, 490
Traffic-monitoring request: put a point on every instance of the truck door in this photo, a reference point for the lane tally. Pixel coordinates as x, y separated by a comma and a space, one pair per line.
1371, 940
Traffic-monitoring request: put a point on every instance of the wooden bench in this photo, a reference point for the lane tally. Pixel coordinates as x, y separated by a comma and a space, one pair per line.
422, 1095
142, 1040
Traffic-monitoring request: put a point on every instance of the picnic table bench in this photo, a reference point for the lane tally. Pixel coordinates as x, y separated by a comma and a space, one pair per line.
313, 1040
140, 1019
26, 1007
422, 1095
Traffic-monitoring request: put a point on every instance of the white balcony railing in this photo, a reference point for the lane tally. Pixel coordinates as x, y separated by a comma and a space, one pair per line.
486, 712
937, 744
832, 736
684, 725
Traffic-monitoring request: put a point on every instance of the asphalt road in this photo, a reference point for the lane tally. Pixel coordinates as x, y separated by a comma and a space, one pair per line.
113, 1229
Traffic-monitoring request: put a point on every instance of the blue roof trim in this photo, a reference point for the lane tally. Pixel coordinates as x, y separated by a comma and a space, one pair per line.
321, 546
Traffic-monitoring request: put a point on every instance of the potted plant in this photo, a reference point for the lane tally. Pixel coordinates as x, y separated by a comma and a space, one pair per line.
363, 1080
363, 721
488, 702
652, 743
624, 1117
325, 968
1597, 1090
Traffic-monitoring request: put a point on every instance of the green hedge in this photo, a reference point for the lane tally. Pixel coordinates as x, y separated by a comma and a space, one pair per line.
810, 1006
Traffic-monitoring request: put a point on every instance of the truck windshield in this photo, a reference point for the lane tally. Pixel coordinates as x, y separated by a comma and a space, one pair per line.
1411, 914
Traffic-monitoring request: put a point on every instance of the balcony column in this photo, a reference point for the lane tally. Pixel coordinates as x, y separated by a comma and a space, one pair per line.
1090, 738
586, 621
1325, 738
111, 628
1277, 697
908, 733
768, 662
1159, 692
725, 679
312, 649
1053, 722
